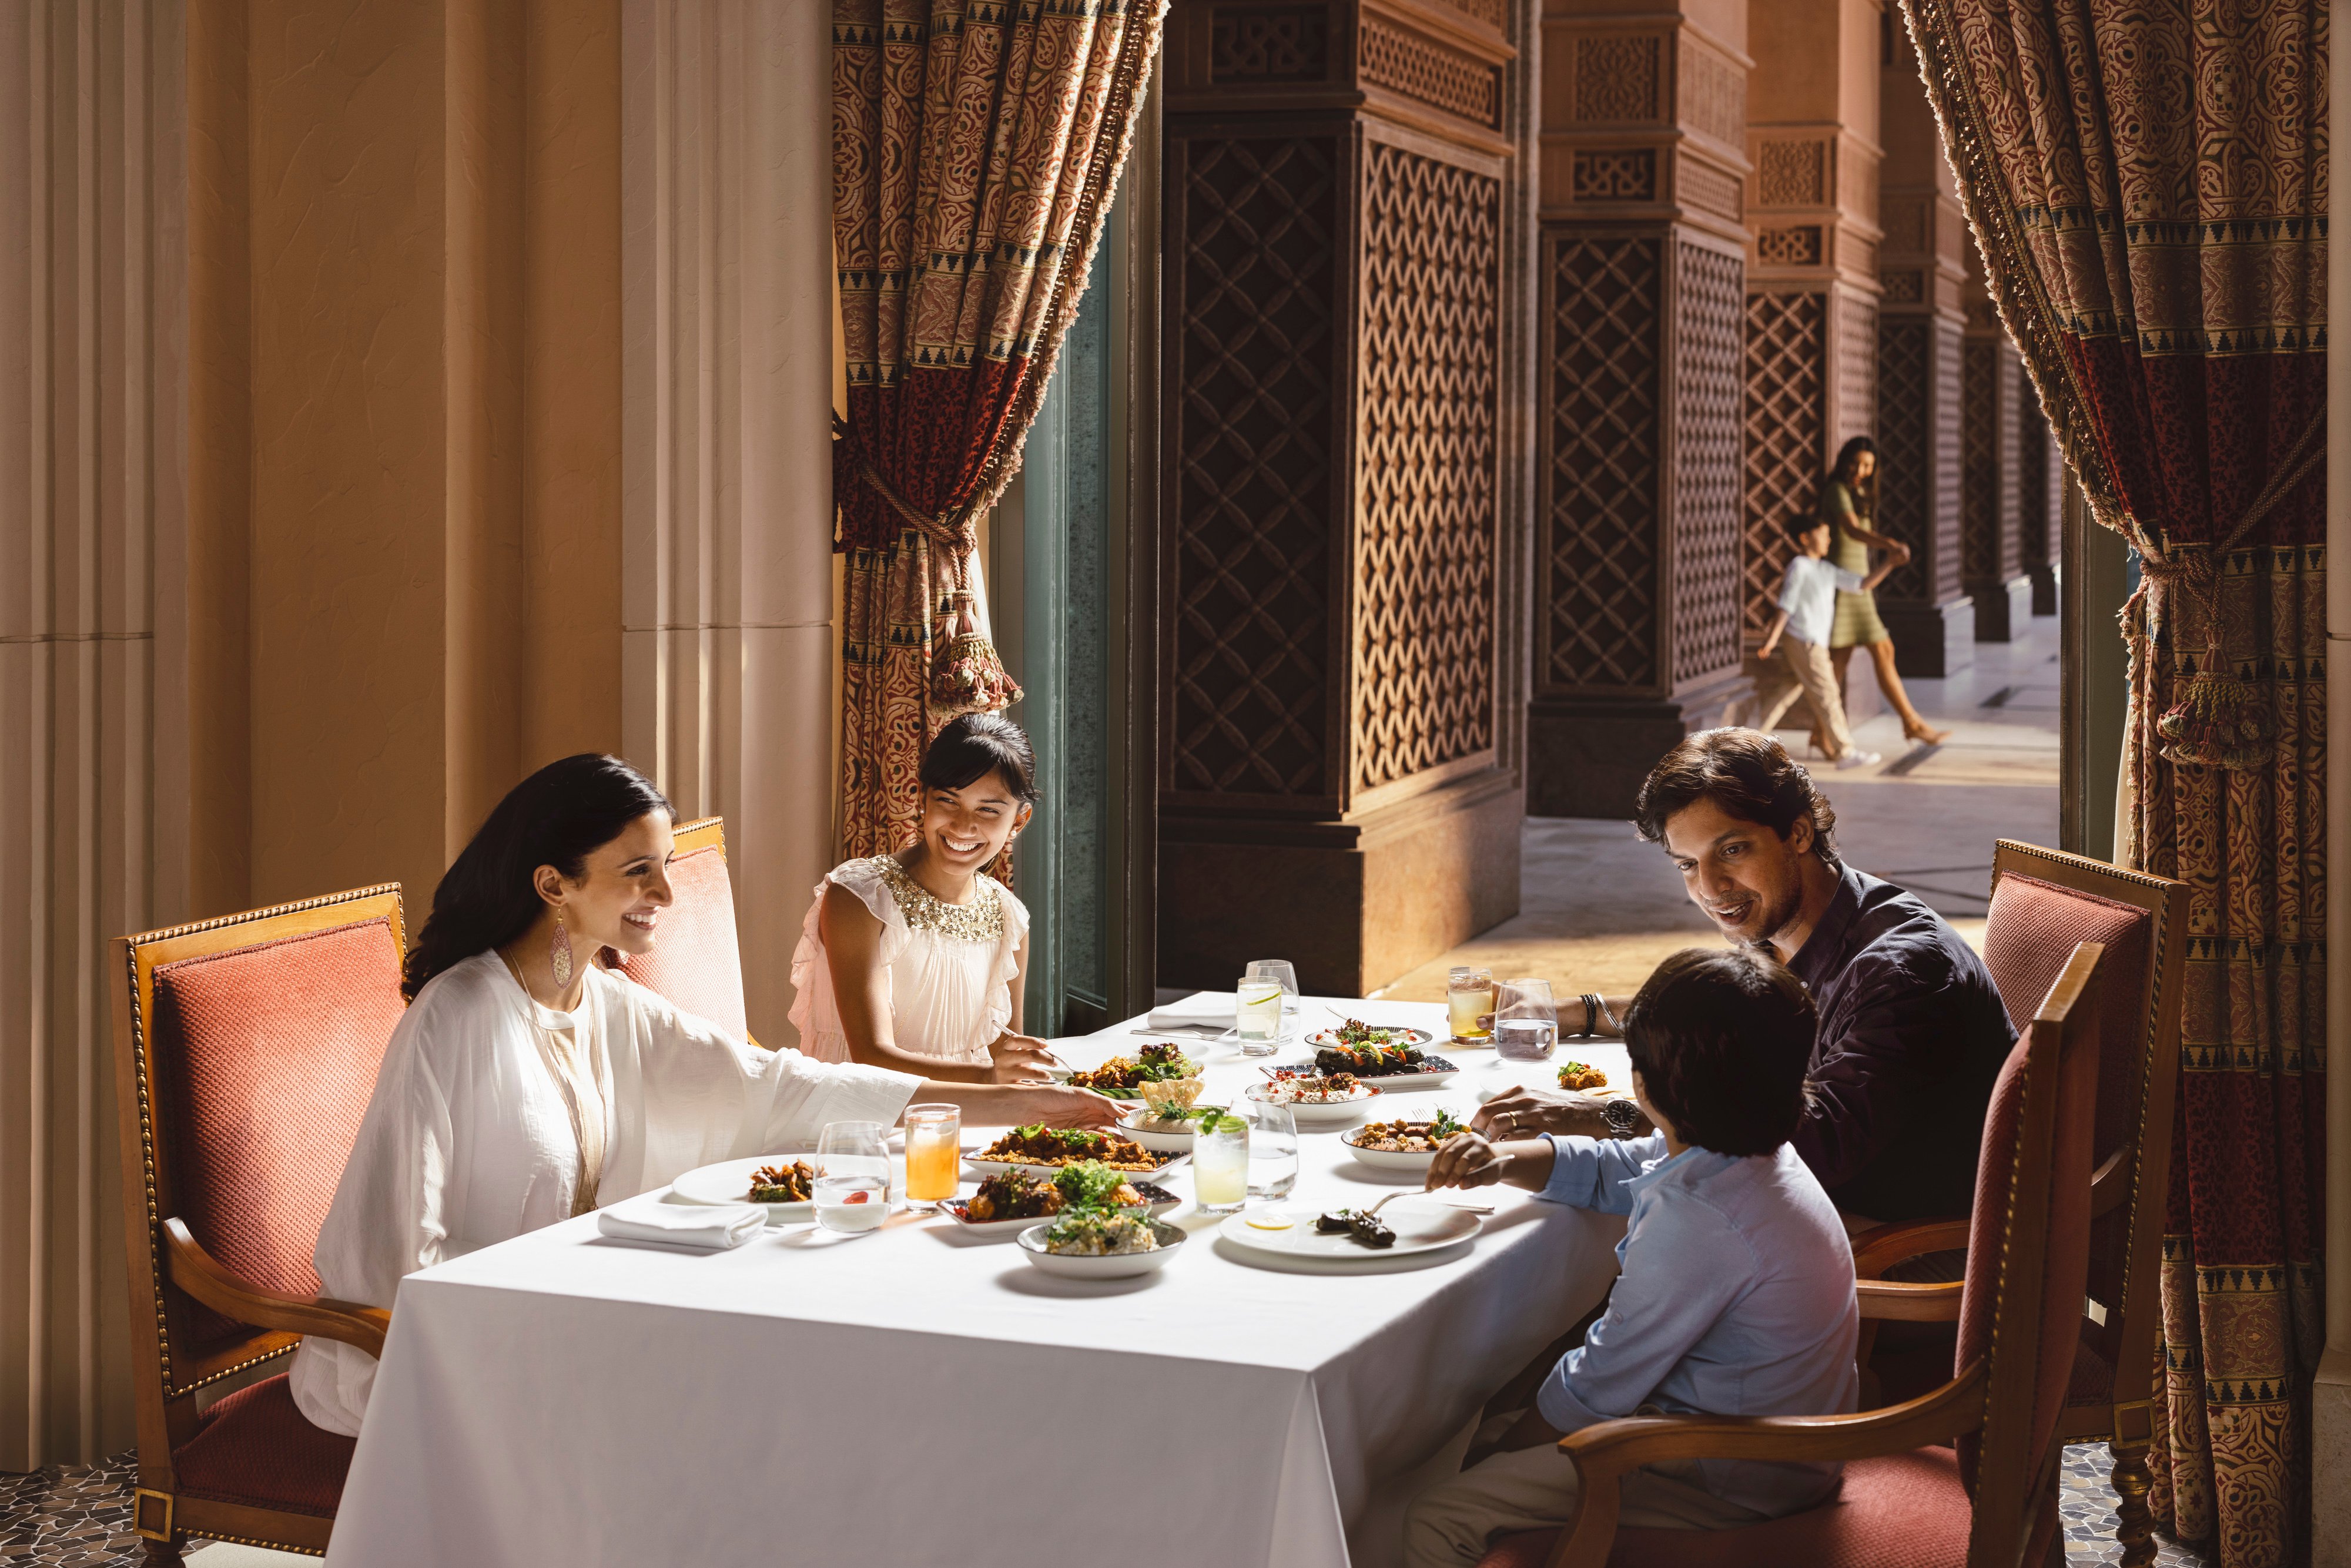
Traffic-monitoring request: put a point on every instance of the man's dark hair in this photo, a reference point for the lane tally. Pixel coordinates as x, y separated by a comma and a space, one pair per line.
1748, 774
1721, 1038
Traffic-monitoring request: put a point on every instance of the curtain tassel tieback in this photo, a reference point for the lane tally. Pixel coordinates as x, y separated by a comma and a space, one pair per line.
2220, 721
967, 673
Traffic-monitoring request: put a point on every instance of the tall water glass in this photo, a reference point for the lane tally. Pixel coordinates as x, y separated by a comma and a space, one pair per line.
1469, 998
1257, 1013
1272, 1150
1526, 1025
934, 1153
1220, 1164
852, 1175
1280, 969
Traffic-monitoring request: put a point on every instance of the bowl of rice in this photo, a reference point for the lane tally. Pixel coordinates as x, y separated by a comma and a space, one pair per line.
1101, 1244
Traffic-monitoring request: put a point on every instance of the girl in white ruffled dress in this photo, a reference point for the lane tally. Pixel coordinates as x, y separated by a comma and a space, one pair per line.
916, 961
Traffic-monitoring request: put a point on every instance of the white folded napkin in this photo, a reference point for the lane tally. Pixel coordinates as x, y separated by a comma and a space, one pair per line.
1209, 1009
710, 1225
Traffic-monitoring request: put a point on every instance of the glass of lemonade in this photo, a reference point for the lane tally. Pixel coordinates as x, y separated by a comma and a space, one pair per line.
1257, 1012
1470, 996
1220, 1164
1272, 1150
1526, 1027
852, 1175
934, 1153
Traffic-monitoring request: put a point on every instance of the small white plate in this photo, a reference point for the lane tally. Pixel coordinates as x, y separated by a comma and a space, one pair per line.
730, 1181
1420, 1226
1158, 1143
1115, 1266
1323, 1113
1323, 1039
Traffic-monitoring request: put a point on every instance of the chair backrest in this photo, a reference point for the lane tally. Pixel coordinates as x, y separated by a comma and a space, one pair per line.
2028, 1259
246, 1049
2042, 902
696, 962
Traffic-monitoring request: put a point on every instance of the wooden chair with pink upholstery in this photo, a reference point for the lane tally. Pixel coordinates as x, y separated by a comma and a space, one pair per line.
697, 963
245, 1050
2042, 902
1966, 1475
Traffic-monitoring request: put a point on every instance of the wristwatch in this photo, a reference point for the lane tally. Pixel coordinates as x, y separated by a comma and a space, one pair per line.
1624, 1118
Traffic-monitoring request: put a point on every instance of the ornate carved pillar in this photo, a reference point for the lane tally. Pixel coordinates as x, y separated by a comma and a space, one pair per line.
2039, 494
1922, 266
1811, 271
1640, 279
1346, 221
1992, 394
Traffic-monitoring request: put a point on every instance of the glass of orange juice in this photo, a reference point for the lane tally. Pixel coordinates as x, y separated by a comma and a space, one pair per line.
934, 1153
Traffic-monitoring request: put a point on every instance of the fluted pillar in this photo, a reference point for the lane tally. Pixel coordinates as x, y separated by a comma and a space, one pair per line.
2040, 495
1345, 222
1993, 393
1640, 280
1921, 267
1811, 273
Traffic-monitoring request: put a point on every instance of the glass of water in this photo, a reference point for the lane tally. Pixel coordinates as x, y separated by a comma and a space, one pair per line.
852, 1175
1526, 1025
1256, 1011
1272, 1150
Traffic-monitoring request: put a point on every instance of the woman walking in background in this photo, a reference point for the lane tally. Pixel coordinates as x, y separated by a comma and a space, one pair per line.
1848, 498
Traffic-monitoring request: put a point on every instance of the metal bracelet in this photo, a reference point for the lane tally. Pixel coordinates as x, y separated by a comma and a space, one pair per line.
1592, 1008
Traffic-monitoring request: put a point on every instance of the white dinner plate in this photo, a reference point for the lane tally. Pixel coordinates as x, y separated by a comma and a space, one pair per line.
997, 1167
1324, 1115
1392, 1083
730, 1181
1420, 1225
1114, 1266
954, 1210
1323, 1037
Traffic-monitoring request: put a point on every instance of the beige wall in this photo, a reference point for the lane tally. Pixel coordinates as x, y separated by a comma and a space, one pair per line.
403, 261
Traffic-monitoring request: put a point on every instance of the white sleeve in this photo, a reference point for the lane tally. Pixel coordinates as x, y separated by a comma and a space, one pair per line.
1847, 581
1791, 585
711, 1097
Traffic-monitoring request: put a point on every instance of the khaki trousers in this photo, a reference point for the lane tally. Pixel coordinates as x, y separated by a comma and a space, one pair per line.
1451, 1523
1808, 672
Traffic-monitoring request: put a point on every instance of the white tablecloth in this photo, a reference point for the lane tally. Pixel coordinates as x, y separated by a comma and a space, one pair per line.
913, 1396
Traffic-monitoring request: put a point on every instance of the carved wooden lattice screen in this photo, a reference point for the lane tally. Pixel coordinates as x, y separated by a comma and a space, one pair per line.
1707, 387
1598, 577
1425, 570
1252, 375
1902, 454
1982, 547
1785, 440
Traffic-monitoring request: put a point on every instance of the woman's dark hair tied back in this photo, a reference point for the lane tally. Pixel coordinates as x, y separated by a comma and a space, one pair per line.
975, 745
555, 816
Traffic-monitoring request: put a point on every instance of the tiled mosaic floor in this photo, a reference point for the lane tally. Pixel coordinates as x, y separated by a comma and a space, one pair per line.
80, 1518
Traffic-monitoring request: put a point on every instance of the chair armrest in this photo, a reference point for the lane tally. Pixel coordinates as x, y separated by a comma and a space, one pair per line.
1604, 1453
1876, 1252
1925, 1302
201, 1275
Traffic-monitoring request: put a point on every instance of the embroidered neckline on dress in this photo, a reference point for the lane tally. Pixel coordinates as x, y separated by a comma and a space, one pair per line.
982, 920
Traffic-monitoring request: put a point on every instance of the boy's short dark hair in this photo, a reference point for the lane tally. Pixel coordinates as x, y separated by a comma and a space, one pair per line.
1722, 1039
1799, 524
1747, 773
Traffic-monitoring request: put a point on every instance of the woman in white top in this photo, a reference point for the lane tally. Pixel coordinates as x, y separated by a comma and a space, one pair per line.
916, 961
527, 1084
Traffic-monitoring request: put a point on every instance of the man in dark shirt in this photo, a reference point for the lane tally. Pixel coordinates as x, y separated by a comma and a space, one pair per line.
1912, 1032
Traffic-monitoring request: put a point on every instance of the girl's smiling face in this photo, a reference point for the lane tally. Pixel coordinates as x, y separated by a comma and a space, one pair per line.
965, 829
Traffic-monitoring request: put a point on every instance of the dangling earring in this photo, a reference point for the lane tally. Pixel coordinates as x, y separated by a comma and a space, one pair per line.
559, 956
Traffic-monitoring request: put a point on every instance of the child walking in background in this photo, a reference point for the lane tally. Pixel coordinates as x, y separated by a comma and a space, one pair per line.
1808, 603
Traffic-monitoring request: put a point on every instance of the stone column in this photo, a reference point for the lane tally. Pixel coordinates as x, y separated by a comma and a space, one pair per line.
1922, 266
1640, 279
1344, 225
1992, 395
1811, 273
2039, 494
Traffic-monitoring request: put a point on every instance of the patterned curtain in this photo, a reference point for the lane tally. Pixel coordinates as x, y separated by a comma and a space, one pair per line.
2149, 185
977, 144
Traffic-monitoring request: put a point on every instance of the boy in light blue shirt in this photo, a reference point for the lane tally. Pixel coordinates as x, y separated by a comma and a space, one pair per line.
1736, 1291
1801, 633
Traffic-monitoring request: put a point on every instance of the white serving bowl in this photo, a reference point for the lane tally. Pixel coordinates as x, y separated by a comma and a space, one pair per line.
1114, 1266
1157, 1142
1312, 1115
1388, 1160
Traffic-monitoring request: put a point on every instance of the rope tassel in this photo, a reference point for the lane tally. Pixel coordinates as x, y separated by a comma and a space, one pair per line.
2219, 722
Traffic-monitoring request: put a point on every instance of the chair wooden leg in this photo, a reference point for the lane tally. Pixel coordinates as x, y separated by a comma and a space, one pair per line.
162, 1553
2134, 1525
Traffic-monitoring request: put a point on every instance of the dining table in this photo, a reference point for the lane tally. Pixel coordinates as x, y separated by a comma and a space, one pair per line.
915, 1395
